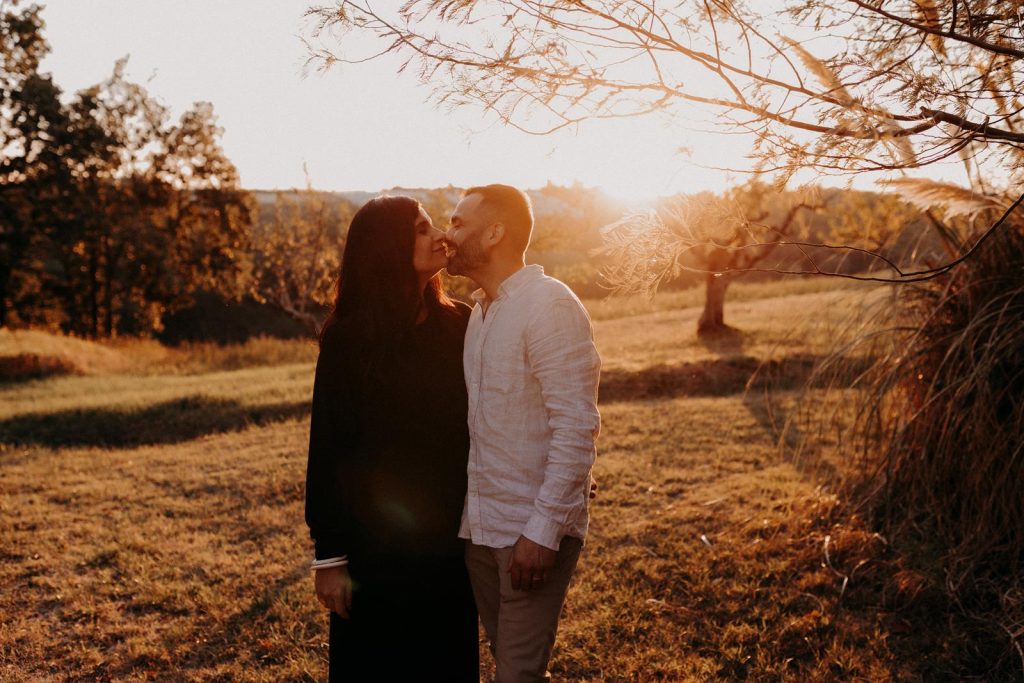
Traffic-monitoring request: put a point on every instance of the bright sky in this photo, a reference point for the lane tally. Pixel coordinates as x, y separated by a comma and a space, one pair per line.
358, 127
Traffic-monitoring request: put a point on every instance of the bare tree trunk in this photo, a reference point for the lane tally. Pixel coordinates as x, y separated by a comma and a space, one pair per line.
108, 292
297, 312
715, 283
5, 278
713, 317
16, 247
94, 294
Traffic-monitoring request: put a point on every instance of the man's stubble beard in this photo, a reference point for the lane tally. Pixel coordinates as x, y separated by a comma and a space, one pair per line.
468, 256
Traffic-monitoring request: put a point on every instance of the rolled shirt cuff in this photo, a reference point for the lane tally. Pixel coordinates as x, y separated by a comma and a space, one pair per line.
544, 531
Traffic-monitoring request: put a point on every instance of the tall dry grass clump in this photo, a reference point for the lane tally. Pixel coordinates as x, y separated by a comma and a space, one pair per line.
955, 424
940, 431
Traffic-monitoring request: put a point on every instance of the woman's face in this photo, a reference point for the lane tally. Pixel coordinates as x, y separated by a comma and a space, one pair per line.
428, 252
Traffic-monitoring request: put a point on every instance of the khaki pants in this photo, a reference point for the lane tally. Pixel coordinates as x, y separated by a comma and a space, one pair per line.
520, 624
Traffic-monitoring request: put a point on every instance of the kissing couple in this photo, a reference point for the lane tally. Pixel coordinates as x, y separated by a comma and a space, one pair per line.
450, 447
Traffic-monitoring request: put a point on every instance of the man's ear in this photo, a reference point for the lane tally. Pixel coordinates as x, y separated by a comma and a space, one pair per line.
495, 233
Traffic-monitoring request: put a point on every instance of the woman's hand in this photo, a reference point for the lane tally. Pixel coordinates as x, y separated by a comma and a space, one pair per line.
334, 589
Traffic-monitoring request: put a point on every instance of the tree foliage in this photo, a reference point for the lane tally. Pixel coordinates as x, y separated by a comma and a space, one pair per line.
854, 85
297, 253
110, 215
33, 136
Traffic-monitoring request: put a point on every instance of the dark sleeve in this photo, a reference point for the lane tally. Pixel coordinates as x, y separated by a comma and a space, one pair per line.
462, 313
330, 470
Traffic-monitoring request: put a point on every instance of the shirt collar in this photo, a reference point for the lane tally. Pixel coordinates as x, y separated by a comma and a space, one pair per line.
511, 283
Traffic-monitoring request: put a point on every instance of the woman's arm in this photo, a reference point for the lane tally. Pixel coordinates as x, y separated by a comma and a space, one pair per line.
330, 467
329, 474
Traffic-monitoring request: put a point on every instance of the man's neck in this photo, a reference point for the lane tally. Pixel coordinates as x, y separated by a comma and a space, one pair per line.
496, 273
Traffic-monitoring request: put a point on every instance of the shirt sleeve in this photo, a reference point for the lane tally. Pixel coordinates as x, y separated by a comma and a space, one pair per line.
330, 466
564, 360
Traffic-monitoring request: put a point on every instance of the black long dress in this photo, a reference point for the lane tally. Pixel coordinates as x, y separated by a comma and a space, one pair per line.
385, 485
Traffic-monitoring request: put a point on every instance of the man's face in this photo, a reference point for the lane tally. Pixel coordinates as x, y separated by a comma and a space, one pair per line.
466, 253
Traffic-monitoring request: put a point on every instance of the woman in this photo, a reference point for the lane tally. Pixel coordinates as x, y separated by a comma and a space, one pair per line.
388, 445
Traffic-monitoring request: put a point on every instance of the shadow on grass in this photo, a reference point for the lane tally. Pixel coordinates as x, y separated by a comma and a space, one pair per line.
25, 367
725, 340
169, 422
802, 454
718, 377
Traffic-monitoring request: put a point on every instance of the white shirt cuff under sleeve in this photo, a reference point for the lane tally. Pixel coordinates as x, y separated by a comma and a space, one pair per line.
544, 531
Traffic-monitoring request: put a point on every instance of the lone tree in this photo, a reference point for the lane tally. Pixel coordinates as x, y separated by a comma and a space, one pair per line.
722, 237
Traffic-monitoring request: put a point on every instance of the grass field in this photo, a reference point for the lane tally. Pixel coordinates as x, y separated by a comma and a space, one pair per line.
151, 524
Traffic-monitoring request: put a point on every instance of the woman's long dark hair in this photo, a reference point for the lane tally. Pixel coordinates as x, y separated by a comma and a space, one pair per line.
377, 290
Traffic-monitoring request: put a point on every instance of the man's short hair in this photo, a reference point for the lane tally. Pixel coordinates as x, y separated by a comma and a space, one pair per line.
512, 207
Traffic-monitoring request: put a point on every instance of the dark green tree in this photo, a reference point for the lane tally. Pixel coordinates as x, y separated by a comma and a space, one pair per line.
116, 198
33, 142
210, 215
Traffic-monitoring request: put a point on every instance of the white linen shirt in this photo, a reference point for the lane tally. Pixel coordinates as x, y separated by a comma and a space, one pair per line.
532, 372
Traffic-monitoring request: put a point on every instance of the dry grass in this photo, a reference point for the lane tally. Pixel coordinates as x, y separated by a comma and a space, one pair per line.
71, 355
33, 354
615, 307
794, 324
711, 556
77, 354
183, 563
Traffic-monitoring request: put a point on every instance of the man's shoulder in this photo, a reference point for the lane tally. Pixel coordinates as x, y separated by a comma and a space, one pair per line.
547, 289
549, 301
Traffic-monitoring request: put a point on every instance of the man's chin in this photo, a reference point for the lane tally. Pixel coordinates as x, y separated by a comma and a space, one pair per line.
455, 268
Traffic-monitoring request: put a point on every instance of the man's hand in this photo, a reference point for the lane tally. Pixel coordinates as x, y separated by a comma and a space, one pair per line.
334, 589
529, 564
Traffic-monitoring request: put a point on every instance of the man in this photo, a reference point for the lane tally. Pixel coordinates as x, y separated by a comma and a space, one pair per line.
532, 373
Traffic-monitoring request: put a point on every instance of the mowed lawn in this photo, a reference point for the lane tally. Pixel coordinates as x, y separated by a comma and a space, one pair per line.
151, 524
